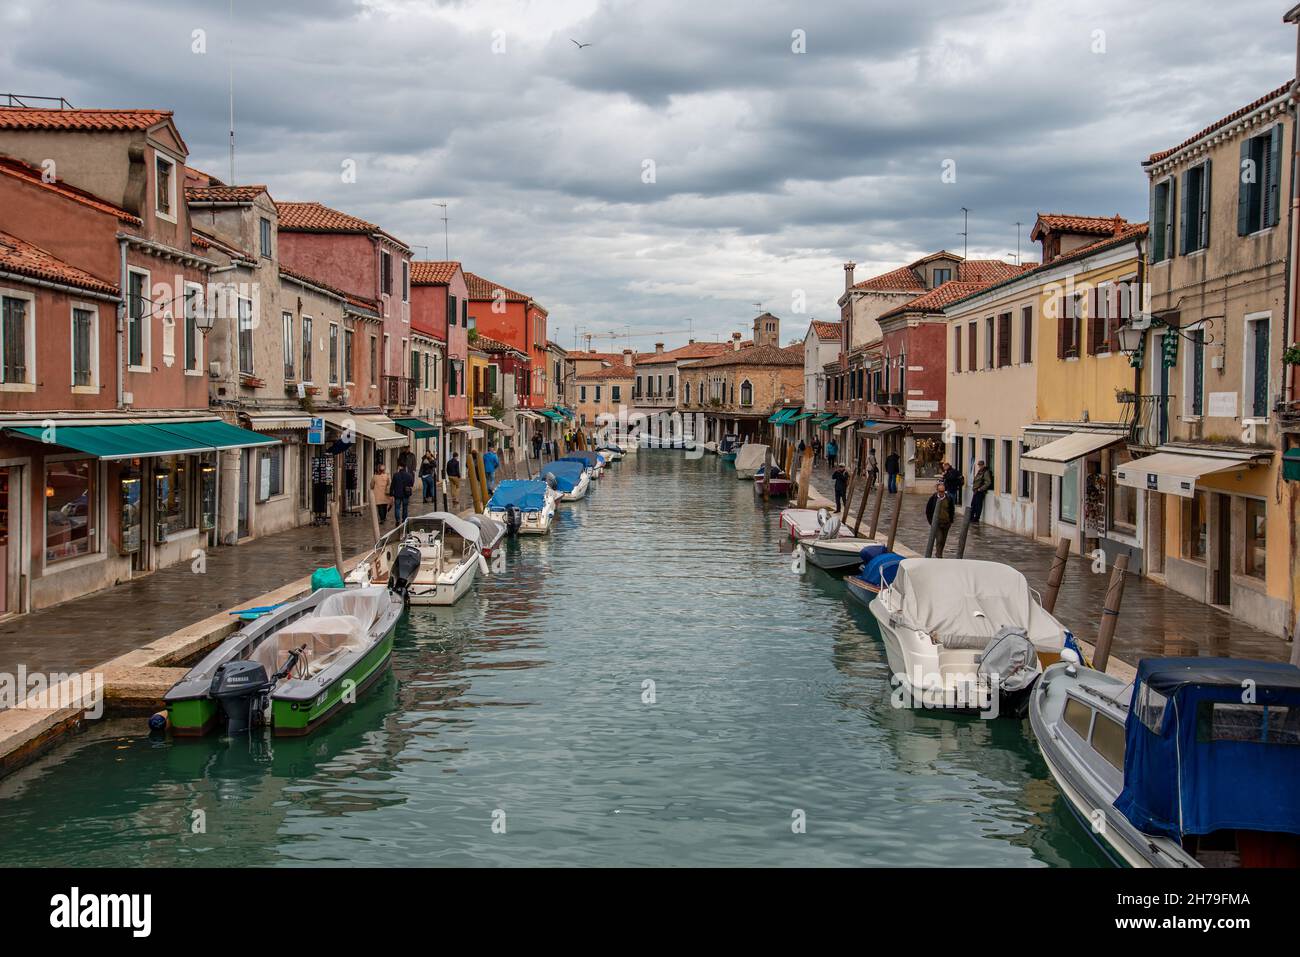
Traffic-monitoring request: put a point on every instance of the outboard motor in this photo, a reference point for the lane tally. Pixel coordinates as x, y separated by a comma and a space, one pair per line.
514, 520
240, 688
405, 567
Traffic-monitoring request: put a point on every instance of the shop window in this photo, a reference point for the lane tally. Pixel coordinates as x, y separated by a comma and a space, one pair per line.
929, 456
1255, 538
173, 509
246, 336
270, 477
70, 509
1194, 527
1068, 510
1123, 499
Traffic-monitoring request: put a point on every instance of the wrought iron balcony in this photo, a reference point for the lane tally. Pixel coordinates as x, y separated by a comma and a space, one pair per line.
398, 390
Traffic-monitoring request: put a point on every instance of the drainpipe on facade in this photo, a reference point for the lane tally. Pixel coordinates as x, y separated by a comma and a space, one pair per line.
121, 323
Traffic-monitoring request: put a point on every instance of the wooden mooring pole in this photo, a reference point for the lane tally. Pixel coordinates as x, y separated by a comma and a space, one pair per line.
1110, 613
1056, 574
893, 522
862, 506
767, 472
805, 477
965, 530
934, 533
875, 510
848, 497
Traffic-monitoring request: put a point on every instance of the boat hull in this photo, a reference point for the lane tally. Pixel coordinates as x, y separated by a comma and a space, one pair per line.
534, 523
430, 592
837, 555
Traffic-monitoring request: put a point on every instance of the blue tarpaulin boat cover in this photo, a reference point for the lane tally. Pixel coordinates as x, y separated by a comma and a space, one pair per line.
880, 571
589, 459
870, 552
1212, 744
523, 495
567, 474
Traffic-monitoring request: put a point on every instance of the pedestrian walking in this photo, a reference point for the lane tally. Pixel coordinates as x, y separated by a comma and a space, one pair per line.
402, 485
941, 501
832, 453
891, 469
452, 472
379, 491
817, 450
841, 479
490, 464
537, 445
873, 468
428, 474
980, 486
953, 481
802, 447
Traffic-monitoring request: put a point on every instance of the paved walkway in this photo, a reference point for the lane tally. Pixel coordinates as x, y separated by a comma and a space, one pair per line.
1153, 621
84, 632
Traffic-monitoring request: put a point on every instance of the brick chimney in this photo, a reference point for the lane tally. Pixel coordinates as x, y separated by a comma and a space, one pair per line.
848, 274
659, 348
735, 342
627, 357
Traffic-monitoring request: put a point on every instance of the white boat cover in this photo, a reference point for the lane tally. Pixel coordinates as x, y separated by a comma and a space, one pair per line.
324, 638
750, 456
963, 603
465, 529
364, 604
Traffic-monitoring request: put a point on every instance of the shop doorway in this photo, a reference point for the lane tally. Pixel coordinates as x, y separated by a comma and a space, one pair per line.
1221, 584
11, 539
245, 476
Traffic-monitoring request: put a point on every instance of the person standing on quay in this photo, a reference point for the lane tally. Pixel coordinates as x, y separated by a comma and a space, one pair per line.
953, 482
981, 485
403, 485
428, 472
891, 469
379, 492
840, 476
537, 445
832, 453
817, 450
943, 502
873, 468
490, 463
453, 479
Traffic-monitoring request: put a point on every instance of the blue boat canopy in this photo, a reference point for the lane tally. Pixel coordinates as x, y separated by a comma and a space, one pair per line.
567, 474
881, 570
527, 496
1212, 744
589, 459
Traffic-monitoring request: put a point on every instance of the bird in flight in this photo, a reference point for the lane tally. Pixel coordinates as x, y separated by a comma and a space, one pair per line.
577, 44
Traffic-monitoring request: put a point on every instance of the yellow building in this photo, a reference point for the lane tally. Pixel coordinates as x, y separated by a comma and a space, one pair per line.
1036, 386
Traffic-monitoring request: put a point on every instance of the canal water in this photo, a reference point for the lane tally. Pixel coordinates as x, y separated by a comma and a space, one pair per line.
650, 684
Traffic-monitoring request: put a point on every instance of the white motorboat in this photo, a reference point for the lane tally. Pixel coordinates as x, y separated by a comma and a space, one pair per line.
523, 507
593, 462
832, 553
612, 453
807, 523
571, 479
750, 459
432, 559
1178, 768
964, 635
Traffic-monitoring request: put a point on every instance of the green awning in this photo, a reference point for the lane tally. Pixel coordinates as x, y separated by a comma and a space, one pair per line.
566, 413
1291, 464
142, 441
553, 416
799, 418
782, 416
417, 427
829, 421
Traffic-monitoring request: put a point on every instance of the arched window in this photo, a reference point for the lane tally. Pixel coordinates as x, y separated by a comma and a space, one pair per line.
746, 393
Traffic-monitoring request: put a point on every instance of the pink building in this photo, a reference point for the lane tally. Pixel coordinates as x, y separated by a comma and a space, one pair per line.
440, 309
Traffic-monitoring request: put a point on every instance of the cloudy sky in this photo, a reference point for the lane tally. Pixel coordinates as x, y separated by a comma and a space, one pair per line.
770, 167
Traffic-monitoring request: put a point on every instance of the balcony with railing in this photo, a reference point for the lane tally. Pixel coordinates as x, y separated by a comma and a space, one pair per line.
397, 390
1146, 417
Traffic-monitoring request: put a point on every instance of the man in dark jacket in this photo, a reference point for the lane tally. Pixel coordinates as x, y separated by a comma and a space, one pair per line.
953, 482
980, 486
403, 483
891, 469
943, 503
841, 478
453, 478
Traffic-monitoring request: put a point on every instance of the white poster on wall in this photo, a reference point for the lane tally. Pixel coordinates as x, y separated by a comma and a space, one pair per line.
1223, 405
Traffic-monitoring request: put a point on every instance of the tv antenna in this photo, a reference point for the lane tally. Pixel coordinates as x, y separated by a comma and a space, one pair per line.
1018, 225
446, 241
965, 231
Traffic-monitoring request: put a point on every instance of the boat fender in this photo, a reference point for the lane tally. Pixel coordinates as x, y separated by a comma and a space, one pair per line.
158, 721
482, 564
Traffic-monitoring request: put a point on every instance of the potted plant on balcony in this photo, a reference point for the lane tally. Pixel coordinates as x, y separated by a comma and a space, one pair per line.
249, 381
311, 389
1291, 355
1125, 396
337, 392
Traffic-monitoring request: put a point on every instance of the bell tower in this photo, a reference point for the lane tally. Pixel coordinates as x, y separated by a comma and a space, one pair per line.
767, 330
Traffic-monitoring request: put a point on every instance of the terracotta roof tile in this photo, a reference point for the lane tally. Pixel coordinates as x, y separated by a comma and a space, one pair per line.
686, 353
1219, 124
317, 217
488, 344
754, 356
602, 356
30, 174
24, 118
321, 284
1087, 225
25, 259
901, 279
485, 289
619, 371
937, 298
426, 273
223, 194
825, 330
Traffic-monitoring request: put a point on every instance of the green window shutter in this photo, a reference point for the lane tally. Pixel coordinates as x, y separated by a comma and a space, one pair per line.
1246, 191
1157, 220
1272, 186
1185, 216
1203, 220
